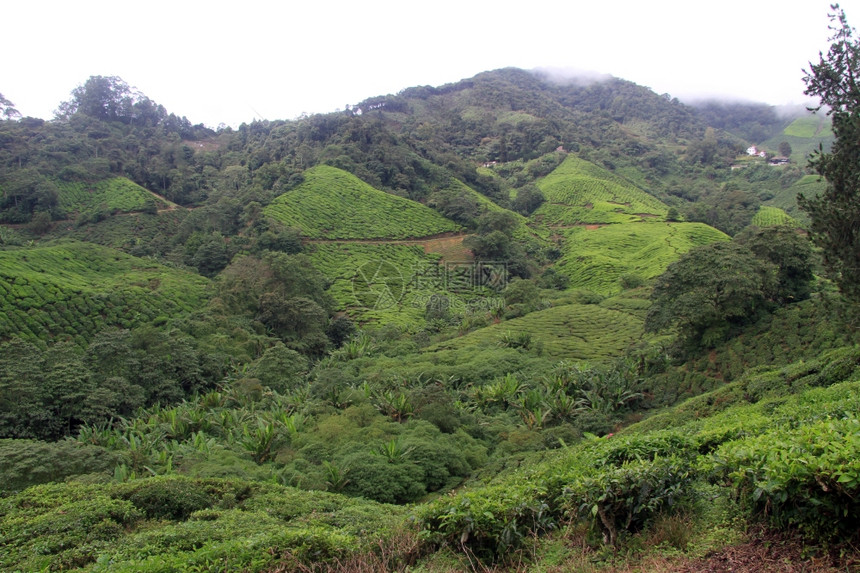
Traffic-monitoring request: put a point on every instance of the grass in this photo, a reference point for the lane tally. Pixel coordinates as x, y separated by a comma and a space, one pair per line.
115, 195
573, 331
578, 192
74, 289
597, 259
334, 204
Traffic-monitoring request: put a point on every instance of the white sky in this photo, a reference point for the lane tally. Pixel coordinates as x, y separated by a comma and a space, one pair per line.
217, 62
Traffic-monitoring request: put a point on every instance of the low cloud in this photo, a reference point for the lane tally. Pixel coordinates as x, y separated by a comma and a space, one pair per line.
570, 76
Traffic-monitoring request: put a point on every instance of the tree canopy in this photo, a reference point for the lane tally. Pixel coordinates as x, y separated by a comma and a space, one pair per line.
709, 290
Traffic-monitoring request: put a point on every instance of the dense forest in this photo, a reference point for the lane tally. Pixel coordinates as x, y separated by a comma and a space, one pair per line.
510, 323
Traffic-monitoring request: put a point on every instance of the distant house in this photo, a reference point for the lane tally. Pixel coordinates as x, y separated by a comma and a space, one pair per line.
779, 161
753, 150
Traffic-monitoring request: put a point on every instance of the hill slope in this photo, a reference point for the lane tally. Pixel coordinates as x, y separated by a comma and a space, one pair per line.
334, 204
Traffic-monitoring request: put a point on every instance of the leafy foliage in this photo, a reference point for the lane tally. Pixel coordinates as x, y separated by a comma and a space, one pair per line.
343, 347
772, 216
714, 289
582, 332
144, 526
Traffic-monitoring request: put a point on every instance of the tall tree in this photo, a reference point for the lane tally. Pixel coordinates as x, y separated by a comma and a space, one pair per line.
7, 109
709, 291
835, 213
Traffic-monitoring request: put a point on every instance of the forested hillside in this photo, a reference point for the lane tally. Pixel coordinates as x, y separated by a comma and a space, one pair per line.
509, 323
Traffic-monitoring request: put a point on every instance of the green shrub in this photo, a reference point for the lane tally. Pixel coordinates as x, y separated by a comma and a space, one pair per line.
375, 477
491, 521
807, 477
168, 498
622, 499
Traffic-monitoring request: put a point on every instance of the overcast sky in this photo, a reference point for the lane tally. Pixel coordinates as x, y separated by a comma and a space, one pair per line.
232, 62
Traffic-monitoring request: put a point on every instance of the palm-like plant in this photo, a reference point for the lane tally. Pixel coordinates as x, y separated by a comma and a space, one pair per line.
393, 451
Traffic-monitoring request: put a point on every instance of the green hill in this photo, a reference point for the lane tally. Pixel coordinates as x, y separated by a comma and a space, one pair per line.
375, 283
579, 192
352, 349
597, 258
115, 195
391, 283
334, 204
522, 232
809, 126
76, 289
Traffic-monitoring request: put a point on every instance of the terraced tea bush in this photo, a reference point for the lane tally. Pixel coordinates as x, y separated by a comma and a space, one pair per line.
771, 217
578, 483
807, 477
579, 192
72, 290
622, 499
231, 525
395, 283
574, 331
115, 195
334, 204
597, 259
